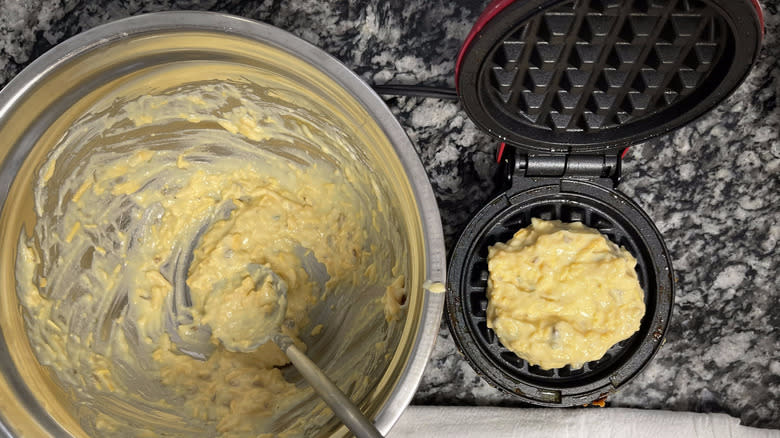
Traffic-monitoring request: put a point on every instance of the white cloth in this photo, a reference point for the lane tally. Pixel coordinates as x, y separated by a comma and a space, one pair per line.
457, 422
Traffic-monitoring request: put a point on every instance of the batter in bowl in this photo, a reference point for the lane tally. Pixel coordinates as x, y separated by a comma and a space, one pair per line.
562, 294
144, 178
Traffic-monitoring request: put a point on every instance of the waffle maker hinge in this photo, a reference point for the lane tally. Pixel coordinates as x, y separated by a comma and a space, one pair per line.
523, 170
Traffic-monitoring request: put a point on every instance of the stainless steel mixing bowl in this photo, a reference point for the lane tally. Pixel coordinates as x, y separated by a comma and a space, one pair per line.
39, 105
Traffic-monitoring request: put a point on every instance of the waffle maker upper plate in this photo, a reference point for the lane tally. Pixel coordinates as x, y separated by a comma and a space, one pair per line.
567, 86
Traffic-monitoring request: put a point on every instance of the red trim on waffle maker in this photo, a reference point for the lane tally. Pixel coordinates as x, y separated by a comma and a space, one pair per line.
500, 151
760, 17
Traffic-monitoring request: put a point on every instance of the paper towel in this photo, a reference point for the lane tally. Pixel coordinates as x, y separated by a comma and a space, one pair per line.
456, 422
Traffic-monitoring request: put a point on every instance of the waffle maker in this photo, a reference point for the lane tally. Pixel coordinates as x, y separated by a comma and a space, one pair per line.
567, 86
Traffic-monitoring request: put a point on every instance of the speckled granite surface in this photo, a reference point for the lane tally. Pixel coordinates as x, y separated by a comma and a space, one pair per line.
712, 187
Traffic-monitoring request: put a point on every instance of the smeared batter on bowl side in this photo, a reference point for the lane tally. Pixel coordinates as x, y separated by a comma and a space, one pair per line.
95, 276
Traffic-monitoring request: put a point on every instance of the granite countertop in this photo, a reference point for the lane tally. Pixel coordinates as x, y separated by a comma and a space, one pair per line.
711, 187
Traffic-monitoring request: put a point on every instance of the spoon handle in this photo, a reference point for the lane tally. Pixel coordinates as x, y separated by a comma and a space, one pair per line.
338, 402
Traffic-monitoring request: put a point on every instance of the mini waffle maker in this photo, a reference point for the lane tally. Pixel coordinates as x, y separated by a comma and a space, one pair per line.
567, 86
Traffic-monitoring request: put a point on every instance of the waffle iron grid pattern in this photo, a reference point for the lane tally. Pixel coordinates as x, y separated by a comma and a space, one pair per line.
476, 290
591, 65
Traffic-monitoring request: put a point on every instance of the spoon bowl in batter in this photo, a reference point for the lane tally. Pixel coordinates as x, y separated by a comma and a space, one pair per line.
246, 311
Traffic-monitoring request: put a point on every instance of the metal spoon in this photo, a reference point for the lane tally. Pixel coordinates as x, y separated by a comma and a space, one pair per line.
195, 343
338, 402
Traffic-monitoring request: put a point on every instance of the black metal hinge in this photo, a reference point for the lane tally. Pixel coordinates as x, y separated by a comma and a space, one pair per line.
524, 170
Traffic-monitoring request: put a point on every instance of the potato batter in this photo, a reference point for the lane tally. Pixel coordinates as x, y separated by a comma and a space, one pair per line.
562, 294
95, 277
